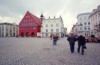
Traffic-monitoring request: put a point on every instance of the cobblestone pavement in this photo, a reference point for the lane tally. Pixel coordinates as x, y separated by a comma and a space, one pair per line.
40, 51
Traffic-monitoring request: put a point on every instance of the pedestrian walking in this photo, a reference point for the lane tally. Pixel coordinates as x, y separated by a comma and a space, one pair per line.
55, 39
81, 44
71, 40
51, 36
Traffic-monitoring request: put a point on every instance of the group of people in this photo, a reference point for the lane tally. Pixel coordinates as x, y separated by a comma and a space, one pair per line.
81, 43
72, 39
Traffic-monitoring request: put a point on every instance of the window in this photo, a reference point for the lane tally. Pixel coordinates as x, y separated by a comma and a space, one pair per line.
81, 24
31, 19
98, 15
28, 23
88, 28
85, 23
80, 28
51, 25
51, 30
26, 20
46, 30
88, 23
57, 25
84, 28
95, 17
27, 16
84, 18
32, 23
57, 30
34, 28
46, 25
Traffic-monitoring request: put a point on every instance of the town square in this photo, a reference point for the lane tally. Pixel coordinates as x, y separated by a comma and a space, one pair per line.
49, 32
40, 51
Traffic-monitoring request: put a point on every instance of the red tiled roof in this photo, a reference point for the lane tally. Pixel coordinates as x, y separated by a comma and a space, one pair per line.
38, 20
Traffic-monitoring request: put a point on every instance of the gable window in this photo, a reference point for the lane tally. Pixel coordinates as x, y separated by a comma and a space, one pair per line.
26, 20
27, 16
31, 19
26, 23
32, 23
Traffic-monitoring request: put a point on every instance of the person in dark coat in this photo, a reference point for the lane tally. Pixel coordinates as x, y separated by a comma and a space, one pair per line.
81, 43
71, 40
55, 38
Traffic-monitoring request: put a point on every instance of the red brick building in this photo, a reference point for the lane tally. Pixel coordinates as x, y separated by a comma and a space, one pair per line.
30, 25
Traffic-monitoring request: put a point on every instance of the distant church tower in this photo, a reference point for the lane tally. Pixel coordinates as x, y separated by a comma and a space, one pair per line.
42, 17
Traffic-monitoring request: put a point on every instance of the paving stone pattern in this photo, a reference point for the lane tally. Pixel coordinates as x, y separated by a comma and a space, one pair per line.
40, 51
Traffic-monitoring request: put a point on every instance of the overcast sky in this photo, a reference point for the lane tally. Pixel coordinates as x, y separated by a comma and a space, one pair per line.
14, 10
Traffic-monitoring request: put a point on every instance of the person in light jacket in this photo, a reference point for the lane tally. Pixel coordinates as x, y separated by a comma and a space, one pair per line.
55, 39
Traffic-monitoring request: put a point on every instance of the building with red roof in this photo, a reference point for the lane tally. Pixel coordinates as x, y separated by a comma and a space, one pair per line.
30, 25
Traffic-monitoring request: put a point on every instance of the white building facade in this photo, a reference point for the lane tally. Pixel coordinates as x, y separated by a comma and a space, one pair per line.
52, 26
8, 29
83, 24
74, 29
95, 21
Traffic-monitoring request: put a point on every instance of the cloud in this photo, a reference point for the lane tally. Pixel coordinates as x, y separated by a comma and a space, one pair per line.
14, 10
